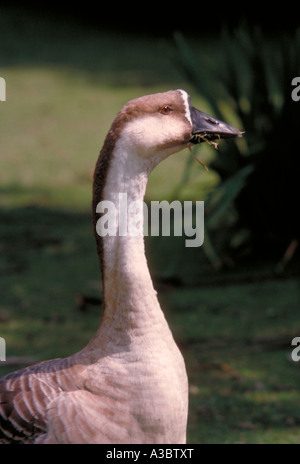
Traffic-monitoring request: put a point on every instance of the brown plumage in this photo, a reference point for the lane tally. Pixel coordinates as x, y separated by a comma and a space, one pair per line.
129, 384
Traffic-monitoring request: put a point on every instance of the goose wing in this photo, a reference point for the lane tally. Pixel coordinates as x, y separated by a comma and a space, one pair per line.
25, 396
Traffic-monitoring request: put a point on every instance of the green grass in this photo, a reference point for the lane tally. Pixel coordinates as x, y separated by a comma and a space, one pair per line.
62, 94
244, 387
236, 342
235, 338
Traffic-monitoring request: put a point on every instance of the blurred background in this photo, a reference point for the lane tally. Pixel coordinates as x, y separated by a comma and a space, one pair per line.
233, 304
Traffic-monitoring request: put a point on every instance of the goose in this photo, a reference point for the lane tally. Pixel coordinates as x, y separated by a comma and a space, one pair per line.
128, 385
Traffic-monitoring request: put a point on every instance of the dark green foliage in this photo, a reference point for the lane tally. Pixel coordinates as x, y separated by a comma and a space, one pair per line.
251, 83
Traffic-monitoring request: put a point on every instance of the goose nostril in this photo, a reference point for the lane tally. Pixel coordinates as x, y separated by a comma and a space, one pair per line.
212, 121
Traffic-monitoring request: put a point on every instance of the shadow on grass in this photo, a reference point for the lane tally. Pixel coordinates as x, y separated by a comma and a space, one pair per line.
33, 38
235, 338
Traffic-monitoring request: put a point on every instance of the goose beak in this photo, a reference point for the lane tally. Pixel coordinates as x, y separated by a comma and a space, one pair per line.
207, 128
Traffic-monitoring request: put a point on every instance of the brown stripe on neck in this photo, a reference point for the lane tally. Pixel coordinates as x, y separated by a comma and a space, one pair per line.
99, 181
101, 173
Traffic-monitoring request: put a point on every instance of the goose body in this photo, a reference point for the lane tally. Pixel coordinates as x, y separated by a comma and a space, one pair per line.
129, 384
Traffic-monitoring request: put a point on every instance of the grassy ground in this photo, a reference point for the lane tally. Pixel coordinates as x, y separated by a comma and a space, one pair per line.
235, 338
64, 86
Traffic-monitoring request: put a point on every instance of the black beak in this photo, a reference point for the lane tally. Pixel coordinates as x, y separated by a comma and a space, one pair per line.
207, 128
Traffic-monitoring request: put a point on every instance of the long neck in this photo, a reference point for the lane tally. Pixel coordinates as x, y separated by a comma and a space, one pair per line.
131, 308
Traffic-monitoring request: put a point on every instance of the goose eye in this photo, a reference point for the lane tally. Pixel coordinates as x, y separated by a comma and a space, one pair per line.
166, 109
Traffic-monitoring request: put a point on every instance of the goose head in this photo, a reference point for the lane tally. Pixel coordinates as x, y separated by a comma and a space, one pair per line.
156, 126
